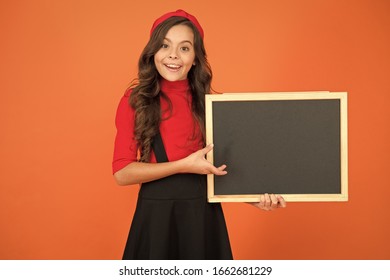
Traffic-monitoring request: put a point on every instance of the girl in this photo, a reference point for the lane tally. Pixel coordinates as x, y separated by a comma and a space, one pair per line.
159, 144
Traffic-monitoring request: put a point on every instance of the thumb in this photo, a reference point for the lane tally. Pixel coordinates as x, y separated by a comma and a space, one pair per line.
208, 148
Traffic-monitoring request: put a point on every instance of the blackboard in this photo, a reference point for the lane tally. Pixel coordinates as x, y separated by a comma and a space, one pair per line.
293, 144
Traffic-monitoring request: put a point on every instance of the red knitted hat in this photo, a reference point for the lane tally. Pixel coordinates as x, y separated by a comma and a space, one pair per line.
178, 13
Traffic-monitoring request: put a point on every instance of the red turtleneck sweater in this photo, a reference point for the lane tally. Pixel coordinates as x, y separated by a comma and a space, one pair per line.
177, 128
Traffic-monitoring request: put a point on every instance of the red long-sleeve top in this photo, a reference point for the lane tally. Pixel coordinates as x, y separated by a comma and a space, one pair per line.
179, 132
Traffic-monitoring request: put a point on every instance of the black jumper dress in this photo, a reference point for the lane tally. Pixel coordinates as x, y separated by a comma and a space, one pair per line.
174, 221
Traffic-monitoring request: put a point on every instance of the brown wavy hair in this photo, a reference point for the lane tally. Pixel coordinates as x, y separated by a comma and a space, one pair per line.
145, 96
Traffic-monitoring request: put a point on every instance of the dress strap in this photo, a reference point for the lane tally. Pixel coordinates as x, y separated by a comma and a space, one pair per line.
159, 149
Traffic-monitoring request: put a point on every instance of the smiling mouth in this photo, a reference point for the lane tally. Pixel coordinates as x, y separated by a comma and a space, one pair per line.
172, 67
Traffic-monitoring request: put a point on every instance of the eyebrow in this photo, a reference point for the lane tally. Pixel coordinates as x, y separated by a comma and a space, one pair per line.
185, 41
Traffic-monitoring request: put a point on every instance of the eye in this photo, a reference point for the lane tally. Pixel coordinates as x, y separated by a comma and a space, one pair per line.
185, 49
164, 46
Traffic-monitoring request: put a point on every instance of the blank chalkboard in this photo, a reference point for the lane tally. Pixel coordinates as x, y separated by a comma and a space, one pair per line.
293, 144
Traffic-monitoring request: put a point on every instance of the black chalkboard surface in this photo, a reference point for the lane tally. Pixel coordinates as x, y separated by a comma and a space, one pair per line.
294, 144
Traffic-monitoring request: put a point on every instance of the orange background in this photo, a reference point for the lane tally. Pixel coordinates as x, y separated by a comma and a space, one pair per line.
65, 64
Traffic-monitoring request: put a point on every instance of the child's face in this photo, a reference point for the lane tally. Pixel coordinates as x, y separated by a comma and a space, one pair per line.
176, 56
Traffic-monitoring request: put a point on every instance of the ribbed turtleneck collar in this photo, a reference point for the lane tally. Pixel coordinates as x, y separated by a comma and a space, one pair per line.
181, 86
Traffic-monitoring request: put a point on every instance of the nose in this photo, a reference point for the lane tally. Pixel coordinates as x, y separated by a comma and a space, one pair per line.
173, 54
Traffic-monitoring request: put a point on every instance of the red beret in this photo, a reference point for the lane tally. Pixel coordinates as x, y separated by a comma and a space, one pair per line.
178, 13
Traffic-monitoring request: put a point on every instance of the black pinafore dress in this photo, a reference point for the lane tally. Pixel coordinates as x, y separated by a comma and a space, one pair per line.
174, 221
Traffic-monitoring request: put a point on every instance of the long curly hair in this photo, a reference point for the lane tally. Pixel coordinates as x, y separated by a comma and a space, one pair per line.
146, 92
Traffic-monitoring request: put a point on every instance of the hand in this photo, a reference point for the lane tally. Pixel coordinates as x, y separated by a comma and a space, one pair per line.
197, 163
269, 202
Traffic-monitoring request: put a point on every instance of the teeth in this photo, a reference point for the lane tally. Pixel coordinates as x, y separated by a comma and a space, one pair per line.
173, 66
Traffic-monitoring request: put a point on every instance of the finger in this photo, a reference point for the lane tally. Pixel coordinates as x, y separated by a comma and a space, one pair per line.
282, 202
217, 171
262, 202
222, 167
274, 202
267, 201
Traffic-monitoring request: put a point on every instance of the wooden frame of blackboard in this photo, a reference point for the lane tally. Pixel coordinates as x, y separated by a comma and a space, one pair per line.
338, 114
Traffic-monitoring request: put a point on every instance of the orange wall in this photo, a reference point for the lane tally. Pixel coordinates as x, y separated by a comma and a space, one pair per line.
65, 64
